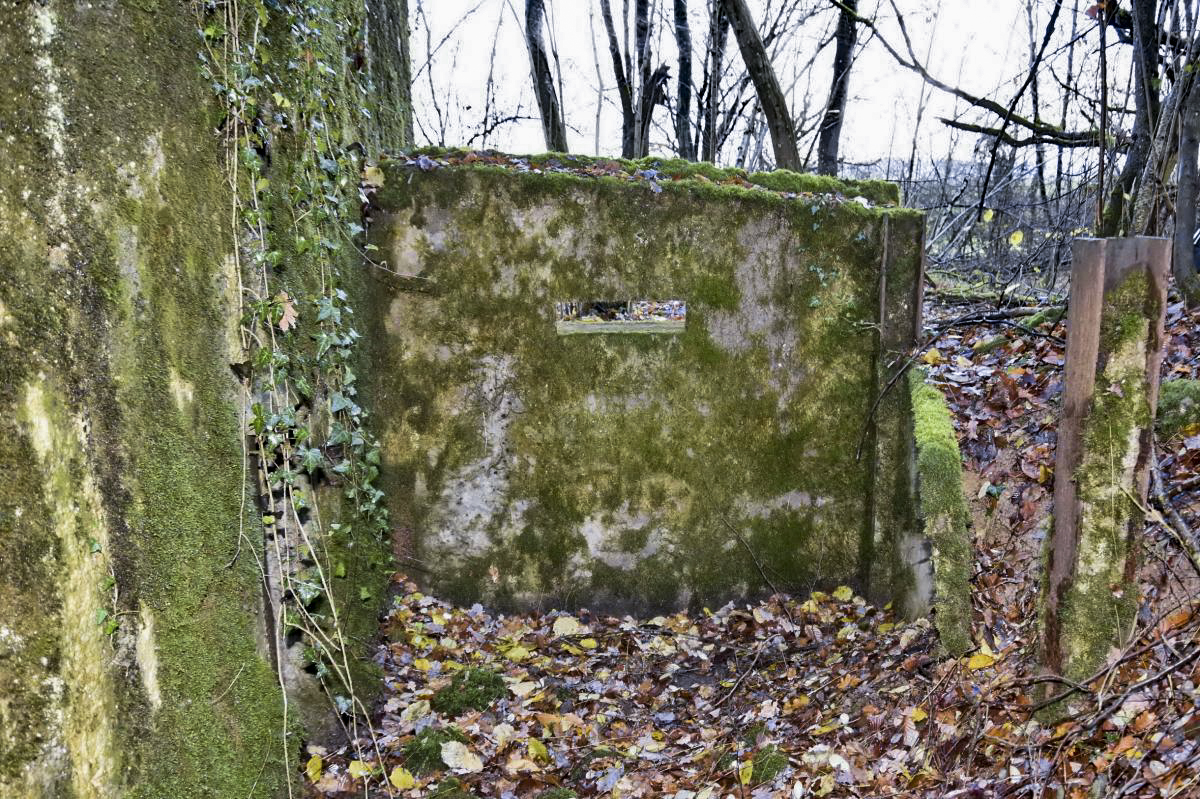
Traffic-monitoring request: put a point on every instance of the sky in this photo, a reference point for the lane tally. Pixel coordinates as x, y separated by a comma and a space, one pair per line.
980, 45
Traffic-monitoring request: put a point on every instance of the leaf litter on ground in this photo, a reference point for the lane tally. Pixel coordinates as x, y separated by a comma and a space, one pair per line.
826, 695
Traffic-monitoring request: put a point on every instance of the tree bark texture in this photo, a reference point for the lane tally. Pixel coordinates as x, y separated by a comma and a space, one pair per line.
1147, 114
683, 40
553, 126
766, 84
843, 60
1183, 265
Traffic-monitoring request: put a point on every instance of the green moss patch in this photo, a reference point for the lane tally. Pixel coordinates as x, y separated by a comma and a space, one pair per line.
471, 689
944, 511
557, 793
423, 754
1178, 406
769, 762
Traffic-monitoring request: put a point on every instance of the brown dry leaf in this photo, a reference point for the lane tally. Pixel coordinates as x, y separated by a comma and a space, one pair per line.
287, 320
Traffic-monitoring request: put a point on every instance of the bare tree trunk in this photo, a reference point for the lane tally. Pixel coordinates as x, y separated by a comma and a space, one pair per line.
624, 89
543, 79
718, 37
641, 43
1161, 146
1146, 104
683, 39
843, 59
1183, 266
766, 84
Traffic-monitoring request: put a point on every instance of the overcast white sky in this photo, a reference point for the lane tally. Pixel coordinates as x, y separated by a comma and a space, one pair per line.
980, 45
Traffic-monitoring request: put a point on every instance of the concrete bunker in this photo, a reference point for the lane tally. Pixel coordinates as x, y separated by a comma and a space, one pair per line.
766, 443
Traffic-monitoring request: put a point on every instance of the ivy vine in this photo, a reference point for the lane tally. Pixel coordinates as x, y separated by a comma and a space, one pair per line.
290, 81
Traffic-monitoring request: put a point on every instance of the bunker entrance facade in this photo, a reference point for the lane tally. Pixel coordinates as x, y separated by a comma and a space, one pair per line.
755, 447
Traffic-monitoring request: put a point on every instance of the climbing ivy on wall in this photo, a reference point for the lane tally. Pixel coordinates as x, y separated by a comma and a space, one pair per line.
293, 90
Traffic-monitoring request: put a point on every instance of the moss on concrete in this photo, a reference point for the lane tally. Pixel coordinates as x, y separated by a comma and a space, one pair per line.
696, 175
1178, 407
622, 469
135, 634
1101, 602
944, 512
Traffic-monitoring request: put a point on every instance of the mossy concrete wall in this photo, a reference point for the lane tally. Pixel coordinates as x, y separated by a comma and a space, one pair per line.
132, 656
648, 471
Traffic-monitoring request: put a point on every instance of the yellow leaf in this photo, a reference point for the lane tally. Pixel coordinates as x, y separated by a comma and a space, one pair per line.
313, 768
588, 643
988, 215
933, 357
517, 653
843, 593
422, 664
401, 779
373, 176
746, 772
357, 768
1016, 238
918, 714
980, 660
537, 751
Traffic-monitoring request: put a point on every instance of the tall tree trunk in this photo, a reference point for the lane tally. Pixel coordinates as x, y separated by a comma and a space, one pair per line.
843, 59
624, 89
643, 106
1161, 146
1183, 265
1146, 105
683, 40
553, 126
766, 84
718, 38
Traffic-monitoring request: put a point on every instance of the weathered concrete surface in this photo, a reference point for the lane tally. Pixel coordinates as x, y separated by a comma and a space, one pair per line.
643, 470
132, 662
1105, 440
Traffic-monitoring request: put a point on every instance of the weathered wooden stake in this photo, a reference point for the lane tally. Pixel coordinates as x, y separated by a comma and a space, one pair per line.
1101, 472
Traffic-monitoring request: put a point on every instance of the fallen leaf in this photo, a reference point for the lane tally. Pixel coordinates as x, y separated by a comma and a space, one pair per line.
359, 769
567, 625
313, 768
401, 779
459, 759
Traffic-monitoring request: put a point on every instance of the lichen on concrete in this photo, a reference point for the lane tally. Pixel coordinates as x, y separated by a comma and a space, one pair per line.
943, 512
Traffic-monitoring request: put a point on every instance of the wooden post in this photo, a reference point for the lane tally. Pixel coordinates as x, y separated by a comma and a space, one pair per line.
1110, 392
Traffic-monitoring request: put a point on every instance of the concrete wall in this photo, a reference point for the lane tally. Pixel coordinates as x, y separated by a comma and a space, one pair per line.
643, 470
133, 649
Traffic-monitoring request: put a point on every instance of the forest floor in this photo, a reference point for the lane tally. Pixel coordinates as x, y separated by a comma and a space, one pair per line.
823, 695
